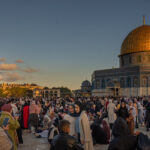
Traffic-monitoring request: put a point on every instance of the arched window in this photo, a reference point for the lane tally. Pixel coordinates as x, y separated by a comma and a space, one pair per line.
97, 84
139, 59
103, 84
149, 58
135, 82
108, 80
110, 83
144, 82
130, 60
128, 82
122, 82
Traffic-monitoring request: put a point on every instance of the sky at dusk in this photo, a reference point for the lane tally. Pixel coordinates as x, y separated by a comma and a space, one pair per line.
61, 42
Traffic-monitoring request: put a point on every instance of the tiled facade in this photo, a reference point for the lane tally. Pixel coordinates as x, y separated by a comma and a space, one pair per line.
133, 76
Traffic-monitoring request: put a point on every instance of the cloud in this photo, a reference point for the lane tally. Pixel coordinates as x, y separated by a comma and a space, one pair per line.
11, 77
2, 59
30, 70
8, 67
19, 61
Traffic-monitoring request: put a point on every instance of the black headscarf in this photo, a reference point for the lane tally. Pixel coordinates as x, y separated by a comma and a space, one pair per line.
80, 106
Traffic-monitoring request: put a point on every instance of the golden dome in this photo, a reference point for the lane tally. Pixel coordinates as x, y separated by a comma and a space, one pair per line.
137, 40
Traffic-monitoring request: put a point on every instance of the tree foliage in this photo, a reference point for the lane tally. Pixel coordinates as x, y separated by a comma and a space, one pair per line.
65, 91
16, 92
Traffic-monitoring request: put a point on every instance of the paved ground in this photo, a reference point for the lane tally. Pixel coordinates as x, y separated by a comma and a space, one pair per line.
32, 143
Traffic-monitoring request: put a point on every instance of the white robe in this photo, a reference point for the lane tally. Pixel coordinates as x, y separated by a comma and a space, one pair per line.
85, 131
111, 112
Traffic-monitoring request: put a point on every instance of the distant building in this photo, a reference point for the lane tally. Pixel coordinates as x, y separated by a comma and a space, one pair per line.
85, 89
86, 86
133, 76
47, 93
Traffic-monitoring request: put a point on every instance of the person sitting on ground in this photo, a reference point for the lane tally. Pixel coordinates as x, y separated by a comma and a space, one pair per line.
48, 120
64, 141
53, 130
49, 132
100, 133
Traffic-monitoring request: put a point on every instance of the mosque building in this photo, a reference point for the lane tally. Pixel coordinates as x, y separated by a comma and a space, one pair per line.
85, 89
132, 78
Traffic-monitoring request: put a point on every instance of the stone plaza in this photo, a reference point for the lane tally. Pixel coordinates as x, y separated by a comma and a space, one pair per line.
33, 143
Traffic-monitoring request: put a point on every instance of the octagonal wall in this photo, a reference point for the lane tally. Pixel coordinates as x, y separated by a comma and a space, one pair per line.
135, 59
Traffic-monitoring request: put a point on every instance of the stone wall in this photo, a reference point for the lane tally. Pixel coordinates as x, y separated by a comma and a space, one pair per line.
134, 59
128, 92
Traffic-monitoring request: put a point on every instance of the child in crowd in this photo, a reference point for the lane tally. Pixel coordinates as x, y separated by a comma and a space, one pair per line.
64, 141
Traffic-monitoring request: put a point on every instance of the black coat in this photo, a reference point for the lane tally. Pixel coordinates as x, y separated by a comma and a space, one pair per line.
122, 138
128, 142
64, 142
120, 128
98, 134
148, 111
123, 113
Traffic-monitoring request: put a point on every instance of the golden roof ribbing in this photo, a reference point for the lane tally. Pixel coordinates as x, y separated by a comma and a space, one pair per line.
137, 40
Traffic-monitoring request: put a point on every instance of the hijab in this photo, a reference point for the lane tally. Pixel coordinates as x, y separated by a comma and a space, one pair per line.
80, 105
6, 107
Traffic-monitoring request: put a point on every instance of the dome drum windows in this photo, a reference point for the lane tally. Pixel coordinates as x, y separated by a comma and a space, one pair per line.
130, 60
139, 59
148, 58
126, 60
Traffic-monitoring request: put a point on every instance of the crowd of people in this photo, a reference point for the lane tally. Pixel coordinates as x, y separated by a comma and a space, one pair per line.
75, 123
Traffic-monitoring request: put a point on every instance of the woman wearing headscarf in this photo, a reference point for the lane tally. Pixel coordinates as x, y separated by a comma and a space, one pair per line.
13, 123
123, 111
111, 113
83, 127
71, 118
